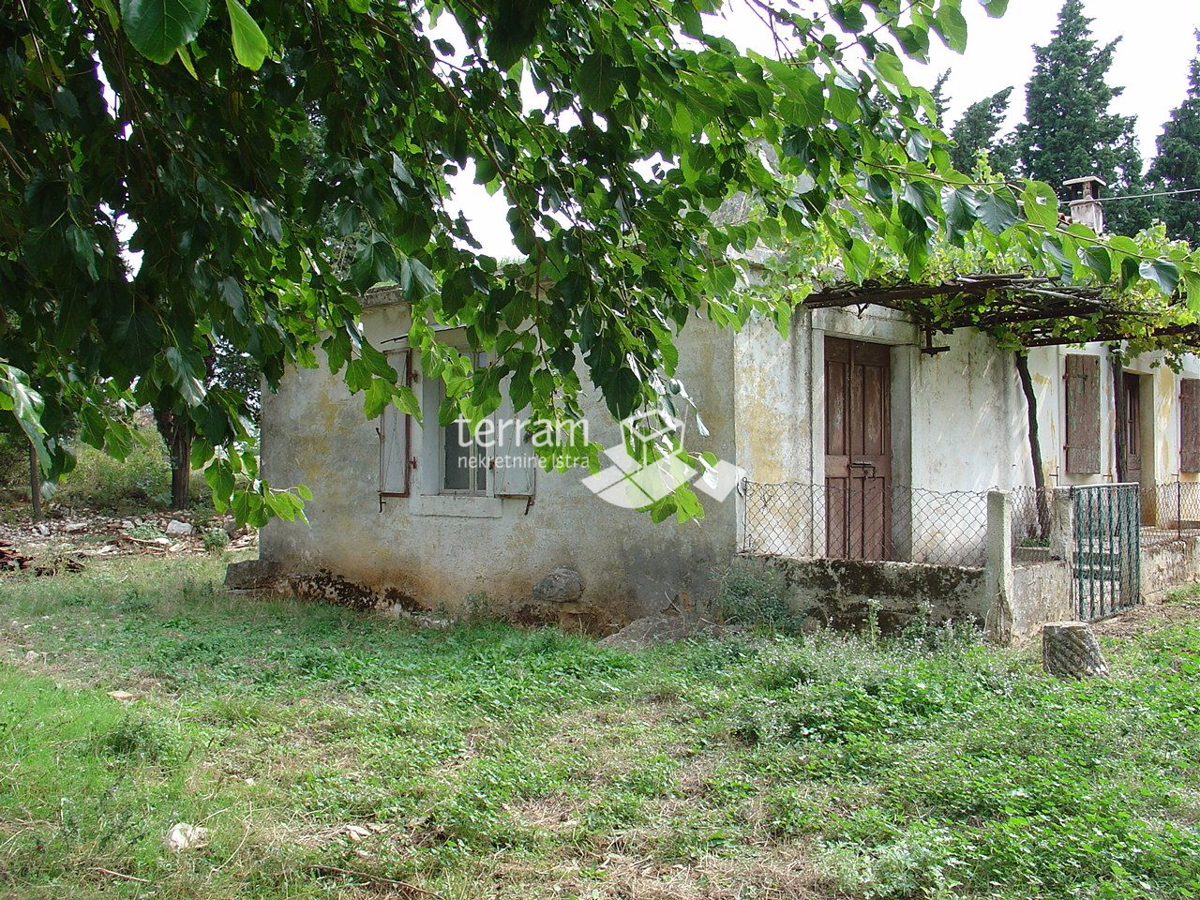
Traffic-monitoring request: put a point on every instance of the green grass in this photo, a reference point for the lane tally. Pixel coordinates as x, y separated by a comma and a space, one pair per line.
491, 762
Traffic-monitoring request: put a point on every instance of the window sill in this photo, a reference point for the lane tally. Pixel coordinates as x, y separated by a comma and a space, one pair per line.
463, 507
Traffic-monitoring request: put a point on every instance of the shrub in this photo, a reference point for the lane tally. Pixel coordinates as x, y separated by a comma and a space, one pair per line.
14, 459
215, 540
144, 533
753, 593
99, 481
142, 480
139, 737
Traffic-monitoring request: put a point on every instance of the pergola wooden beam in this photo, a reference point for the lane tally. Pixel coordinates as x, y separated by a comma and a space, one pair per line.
1018, 299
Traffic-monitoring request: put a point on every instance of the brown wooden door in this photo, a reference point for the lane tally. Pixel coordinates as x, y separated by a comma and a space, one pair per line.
858, 450
1130, 424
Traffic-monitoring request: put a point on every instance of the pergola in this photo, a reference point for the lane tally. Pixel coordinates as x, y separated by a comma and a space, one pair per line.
1036, 311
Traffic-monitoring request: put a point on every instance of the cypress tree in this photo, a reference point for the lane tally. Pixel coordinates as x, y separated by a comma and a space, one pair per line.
1068, 130
1177, 165
976, 132
941, 102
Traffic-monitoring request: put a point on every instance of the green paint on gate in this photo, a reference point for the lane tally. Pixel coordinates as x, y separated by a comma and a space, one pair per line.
1108, 573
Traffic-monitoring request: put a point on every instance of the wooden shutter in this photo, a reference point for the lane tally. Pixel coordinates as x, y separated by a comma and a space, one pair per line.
395, 438
1189, 425
1083, 414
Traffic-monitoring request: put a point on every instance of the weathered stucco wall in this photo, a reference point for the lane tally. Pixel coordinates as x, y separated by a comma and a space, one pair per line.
436, 551
835, 593
959, 421
1041, 593
954, 414
1169, 566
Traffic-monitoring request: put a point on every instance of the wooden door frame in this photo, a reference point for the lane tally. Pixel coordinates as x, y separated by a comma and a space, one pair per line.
901, 340
1122, 380
862, 499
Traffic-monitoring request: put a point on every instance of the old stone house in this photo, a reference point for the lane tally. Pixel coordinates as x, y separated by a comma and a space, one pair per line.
860, 436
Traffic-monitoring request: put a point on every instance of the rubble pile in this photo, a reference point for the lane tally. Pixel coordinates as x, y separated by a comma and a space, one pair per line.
11, 559
64, 542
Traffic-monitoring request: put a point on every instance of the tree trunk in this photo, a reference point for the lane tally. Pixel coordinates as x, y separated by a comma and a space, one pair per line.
1035, 445
177, 433
1071, 649
35, 483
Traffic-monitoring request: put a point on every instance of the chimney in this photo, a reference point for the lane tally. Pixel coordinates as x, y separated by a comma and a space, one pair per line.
1084, 196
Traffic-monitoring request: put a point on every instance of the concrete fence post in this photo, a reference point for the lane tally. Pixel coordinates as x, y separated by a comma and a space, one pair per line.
1062, 525
1062, 534
998, 568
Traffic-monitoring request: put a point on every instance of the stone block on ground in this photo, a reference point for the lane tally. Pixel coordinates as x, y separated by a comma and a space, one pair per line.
251, 574
1070, 649
659, 629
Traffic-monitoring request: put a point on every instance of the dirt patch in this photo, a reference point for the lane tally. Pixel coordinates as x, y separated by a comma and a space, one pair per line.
777, 873
1150, 617
556, 813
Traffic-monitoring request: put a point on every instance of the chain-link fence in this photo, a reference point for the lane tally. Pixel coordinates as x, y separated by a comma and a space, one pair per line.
1032, 511
869, 521
1170, 512
866, 520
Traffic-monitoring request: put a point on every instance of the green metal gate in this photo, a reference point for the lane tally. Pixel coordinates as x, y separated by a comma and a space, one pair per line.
1108, 571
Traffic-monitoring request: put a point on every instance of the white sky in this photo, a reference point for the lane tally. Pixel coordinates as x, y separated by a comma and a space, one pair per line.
1151, 62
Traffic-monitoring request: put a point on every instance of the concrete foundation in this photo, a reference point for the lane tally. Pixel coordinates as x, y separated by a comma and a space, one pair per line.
840, 593
1169, 566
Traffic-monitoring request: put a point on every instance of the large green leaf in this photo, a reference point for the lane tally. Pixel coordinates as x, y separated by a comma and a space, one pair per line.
961, 210
1041, 204
158, 28
17, 397
849, 15
1192, 286
249, 43
1098, 260
951, 26
513, 28
138, 335
187, 372
998, 210
375, 263
598, 81
920, 198
804, 93
1162, 273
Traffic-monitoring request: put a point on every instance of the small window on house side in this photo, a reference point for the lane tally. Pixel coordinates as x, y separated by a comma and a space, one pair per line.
464, 461
1083, 414
1189, 425
395, 438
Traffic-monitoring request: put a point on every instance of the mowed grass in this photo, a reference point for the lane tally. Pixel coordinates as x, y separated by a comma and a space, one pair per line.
484, 761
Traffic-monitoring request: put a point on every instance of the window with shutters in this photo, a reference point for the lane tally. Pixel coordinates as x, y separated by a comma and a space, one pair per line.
395, 438
1082, 414
465, 472
1189, 425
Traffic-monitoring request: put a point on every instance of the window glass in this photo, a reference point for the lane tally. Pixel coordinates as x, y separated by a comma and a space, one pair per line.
464, 460
457, 471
